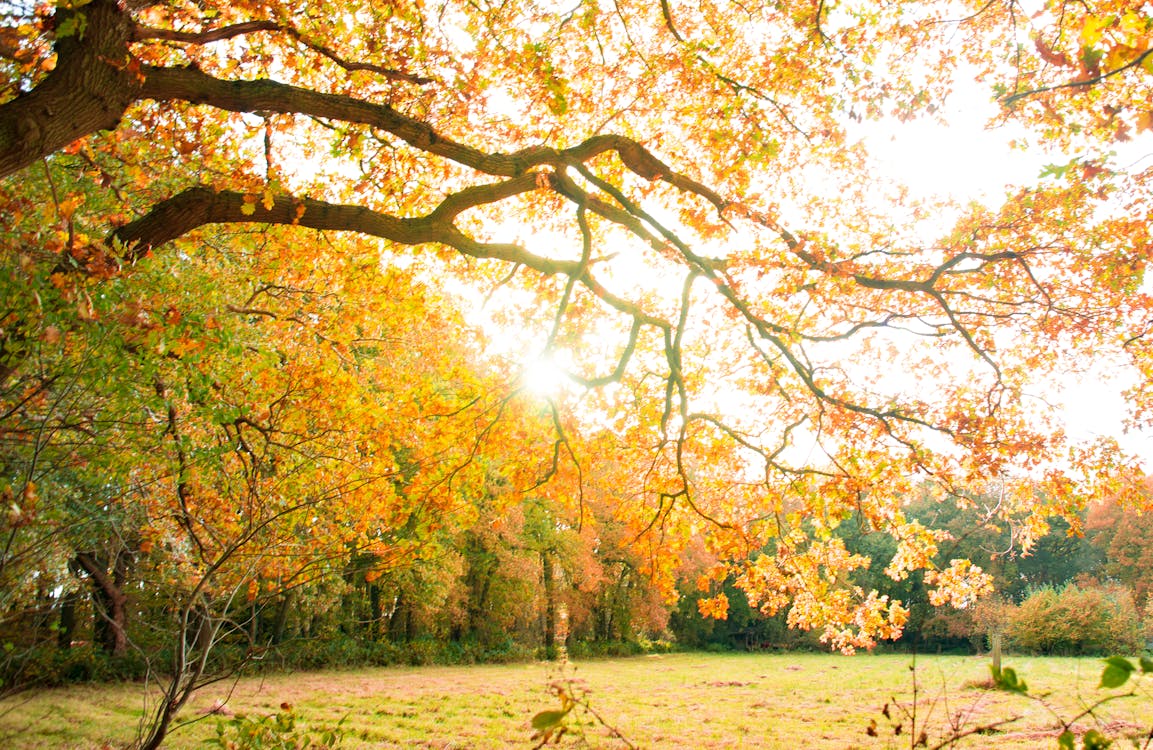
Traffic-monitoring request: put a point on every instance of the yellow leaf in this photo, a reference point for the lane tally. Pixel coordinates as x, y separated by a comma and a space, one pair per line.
269, 199
1131, 23
716, 607
1119, 56
1092, 30
1145, 121
68, 206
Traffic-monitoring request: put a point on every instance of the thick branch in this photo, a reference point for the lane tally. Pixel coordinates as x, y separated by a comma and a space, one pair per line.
1010, 101
101, 578
199, 206
144, 33
197, 87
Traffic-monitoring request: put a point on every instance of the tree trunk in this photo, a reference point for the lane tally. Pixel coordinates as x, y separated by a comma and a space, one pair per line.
376, 611
111, 603
397, 631
89, 90
66, 630
282, 617
549, 581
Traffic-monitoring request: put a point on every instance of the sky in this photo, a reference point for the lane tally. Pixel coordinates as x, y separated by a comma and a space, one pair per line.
967, 161
964, 161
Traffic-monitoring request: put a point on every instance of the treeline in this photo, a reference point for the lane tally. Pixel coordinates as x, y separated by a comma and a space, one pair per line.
518, 583
515, 584
1084, 591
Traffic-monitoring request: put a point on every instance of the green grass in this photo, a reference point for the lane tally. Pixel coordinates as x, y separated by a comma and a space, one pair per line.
666, 701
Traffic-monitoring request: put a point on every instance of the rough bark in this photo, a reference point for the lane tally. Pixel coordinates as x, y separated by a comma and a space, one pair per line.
89, 90
199, 206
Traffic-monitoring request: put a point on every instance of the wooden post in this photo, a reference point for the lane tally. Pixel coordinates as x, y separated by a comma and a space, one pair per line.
995, 644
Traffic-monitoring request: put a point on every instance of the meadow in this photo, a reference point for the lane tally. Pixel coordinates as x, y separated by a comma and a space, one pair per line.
658, 701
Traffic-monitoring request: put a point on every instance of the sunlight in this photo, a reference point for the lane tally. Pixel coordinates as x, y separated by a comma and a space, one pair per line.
962, 158
542, 375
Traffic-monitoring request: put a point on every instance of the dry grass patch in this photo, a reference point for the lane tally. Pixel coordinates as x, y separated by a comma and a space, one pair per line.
668, 701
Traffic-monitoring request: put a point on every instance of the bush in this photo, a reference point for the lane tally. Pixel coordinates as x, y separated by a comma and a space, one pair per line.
1075, 621
49, 666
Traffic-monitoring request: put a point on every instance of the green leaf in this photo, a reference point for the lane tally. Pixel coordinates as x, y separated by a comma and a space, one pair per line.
1066, 740
1094, 740
548, 719
73, 25
1146, 664
1006, 679
1116, 672
1056, 170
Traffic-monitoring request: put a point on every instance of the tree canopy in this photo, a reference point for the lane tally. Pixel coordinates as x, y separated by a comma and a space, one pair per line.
243, 243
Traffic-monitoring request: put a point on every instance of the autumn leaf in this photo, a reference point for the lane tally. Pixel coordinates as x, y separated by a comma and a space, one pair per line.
716, 607
1092, 29
1050, 56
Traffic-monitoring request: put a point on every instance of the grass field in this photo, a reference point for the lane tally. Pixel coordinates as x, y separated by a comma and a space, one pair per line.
665, 701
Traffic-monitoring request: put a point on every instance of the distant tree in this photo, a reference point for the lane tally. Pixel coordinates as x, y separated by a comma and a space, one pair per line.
1123, 537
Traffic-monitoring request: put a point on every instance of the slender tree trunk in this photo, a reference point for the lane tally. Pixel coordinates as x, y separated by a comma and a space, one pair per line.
376, 611
549, 581
66, 629
397, 631
281, 621
199, 633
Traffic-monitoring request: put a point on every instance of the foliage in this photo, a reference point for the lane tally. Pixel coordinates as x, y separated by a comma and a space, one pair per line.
1125, 536
1076, 620
49, 666
275, 276
278, 731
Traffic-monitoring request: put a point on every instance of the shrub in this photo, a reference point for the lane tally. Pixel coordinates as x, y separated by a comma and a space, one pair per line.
1076, 620
49, 666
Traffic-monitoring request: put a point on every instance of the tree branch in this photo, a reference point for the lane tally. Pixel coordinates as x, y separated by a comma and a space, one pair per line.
145, 33
1083, 83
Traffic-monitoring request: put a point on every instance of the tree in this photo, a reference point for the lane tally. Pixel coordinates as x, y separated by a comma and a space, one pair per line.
1122, 537
698, 239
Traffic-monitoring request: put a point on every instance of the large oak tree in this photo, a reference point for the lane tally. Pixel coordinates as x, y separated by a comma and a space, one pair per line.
764, 337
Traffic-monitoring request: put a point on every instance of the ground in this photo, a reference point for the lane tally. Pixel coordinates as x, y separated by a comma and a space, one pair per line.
662, 701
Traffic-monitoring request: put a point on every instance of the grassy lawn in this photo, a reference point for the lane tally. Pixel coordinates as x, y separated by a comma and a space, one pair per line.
666, 701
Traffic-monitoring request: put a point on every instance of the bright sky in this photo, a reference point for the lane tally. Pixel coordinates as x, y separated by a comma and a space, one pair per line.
965, 161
